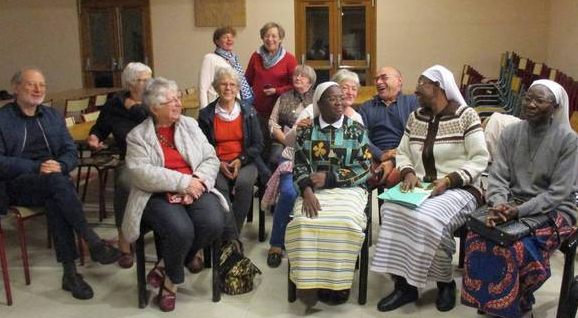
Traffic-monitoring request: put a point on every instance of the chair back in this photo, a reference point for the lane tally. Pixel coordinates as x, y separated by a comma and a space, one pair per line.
100, 100
47, 102
69, 121
92, 116
75, 107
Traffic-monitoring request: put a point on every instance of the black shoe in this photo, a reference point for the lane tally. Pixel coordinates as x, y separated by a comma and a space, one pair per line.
446, 296
274, 260
333, 297
398, 298
104, 253
77, 286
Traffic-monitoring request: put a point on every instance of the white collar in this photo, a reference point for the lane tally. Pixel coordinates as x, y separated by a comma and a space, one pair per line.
336, 124
225, 115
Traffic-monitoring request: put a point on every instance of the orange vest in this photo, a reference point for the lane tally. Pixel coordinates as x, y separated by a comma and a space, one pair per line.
229, 138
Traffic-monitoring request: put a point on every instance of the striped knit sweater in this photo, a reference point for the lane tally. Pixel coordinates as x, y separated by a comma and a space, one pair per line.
449, 144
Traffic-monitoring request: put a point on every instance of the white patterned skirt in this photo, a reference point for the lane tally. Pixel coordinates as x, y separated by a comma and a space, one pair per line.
323, 250
418, 244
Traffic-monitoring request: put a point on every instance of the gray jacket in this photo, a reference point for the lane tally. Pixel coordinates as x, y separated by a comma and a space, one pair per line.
145, 162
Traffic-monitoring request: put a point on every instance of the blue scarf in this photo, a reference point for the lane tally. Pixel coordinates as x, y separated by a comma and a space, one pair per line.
233, 60
271, 60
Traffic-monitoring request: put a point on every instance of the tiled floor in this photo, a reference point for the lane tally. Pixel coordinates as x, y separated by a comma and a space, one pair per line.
115, 288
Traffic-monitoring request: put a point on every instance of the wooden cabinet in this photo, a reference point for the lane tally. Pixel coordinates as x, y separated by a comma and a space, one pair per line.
113, 34
336, 34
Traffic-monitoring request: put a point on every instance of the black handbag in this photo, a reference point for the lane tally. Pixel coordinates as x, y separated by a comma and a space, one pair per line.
505, 233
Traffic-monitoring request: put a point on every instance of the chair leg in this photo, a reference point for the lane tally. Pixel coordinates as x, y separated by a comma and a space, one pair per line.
81, 248
207, 256
216, 257
23, 248
4, 265
567, 300
462, 251
102, 174
363, 268
262, 234
291, 288
140, 272
86, 180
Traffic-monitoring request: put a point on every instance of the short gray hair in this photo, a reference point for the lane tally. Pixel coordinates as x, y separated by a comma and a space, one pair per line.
306, 71
131, 72
156, 90
223, 72
17, 77
346, 75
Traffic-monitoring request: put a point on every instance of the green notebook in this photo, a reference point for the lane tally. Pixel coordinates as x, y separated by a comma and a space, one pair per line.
410, 199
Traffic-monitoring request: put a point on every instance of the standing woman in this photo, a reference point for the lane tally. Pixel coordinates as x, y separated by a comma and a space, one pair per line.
223, 56
270, 74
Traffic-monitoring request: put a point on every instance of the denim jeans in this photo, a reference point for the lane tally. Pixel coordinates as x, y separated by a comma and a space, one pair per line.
287, 196
181, 230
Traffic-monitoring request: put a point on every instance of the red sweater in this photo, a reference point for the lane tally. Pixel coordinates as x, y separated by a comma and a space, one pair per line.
229, 138
279, 76
173, 159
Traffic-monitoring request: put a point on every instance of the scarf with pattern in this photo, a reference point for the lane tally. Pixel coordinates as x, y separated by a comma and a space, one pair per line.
233, 60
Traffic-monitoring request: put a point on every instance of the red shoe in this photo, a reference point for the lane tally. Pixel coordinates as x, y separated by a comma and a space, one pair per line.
126, 260
156, 276
166, 299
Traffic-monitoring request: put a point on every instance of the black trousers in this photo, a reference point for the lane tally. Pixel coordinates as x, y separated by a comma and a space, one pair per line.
57, 194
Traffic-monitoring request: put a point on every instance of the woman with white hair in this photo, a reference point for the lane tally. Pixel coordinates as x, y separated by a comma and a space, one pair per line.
331, 165
444, 145
533, 173
232, 127
118, 116
173, 170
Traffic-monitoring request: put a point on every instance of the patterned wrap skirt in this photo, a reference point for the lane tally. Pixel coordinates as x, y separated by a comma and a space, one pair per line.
323, 251
418, 244
502, 280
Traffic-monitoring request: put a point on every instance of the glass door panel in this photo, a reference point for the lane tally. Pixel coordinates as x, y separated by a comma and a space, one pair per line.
317, 37
132, 36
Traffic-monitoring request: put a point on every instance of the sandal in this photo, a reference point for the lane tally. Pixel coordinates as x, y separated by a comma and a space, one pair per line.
156, 276
166, 298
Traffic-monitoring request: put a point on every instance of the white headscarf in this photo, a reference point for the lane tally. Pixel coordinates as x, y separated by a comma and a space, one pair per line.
561, 113
321, 88
442, 75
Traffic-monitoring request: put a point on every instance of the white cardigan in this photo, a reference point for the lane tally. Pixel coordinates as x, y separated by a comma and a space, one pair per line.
211, 62
145, 163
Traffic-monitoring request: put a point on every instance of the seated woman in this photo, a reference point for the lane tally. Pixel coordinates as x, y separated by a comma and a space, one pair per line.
533, 172
232, 127
118, 116
443, 144
332, 161
288, 106
173, 169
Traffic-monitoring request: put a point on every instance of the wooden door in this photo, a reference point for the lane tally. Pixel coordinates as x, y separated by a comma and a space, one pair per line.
113, 34
336, 34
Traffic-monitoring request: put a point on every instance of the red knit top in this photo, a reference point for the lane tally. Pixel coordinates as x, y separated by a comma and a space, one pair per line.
279, 76
173, 159
229, 138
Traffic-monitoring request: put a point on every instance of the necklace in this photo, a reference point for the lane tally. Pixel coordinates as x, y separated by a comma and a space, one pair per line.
164, 141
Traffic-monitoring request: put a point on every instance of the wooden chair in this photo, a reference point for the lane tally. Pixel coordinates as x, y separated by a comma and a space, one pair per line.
100, 100
92, 116
69, 121
362, 265
23, 214
258, 194
75, 107
4, 267
141, 275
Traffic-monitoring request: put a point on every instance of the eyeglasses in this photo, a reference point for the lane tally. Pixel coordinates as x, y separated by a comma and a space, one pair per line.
176, 99
423, 82
30, 85
539, 101
334, 99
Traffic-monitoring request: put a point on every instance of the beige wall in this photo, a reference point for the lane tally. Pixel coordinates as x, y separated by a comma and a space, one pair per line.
563, 37
415, 34
179, 46
43, 34
411, 34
